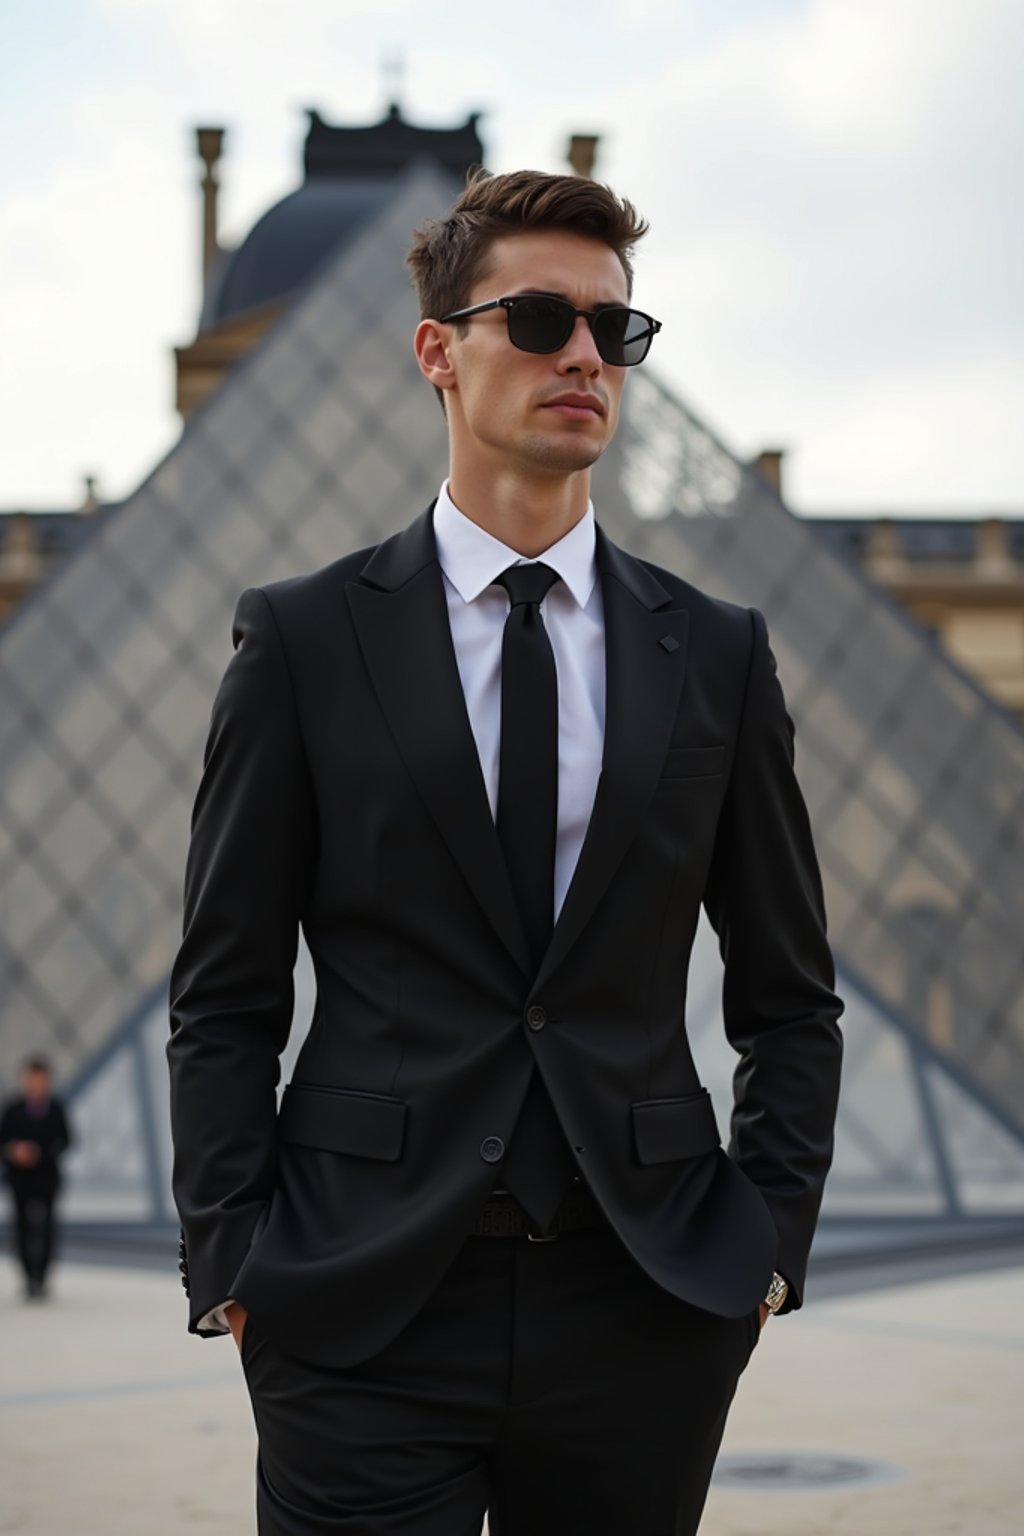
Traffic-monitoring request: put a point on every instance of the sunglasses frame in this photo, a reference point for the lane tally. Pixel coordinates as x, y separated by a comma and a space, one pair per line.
509, 303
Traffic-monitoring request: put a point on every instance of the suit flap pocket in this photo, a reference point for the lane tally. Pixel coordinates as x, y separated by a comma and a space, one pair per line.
668, 1130
337, 1120
693, 762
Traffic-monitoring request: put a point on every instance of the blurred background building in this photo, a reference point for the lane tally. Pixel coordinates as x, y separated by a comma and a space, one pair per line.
308, 432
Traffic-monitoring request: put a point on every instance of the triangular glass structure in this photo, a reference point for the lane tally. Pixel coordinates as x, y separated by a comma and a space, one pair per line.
324, 440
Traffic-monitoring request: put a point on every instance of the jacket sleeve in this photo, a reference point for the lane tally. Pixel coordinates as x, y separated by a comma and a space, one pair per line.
60, 1139
231, 991
764, 900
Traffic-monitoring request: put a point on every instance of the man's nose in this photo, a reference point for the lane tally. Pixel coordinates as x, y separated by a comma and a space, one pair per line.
580, 354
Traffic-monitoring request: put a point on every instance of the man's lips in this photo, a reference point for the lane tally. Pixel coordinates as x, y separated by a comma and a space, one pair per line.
576, 407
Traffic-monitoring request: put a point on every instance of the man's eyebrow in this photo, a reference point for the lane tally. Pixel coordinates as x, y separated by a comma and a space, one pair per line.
553, 293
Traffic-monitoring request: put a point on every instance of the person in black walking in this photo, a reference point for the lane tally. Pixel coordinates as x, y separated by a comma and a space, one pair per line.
33, 1137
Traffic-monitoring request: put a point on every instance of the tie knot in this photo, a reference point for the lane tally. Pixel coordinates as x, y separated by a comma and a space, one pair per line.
527, 583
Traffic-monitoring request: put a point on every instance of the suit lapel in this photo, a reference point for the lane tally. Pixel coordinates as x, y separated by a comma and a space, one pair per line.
401, 620
645, 659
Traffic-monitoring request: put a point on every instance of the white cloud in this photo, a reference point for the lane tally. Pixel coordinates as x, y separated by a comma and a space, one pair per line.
922, 429
97, 266
832, 187
820, 226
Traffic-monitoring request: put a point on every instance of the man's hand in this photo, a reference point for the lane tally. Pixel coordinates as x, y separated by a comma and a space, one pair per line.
23, 1154
236, 1316
765, 1312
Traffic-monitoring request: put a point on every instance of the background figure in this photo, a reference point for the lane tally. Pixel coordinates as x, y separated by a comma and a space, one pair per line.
33, 1136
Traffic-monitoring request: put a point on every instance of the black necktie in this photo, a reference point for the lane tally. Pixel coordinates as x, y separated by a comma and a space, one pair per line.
539, 1166
528, 763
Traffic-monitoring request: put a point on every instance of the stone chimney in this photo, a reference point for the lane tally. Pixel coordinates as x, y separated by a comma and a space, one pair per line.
583, 154
21, 559
994, 560
210, 143
91, 500
769, 466
884, 558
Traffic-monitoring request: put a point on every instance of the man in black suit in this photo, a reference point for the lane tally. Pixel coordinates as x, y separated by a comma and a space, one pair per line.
33, 1138
490, 1254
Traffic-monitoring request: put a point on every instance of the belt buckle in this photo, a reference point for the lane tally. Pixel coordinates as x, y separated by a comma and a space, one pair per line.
540, 1237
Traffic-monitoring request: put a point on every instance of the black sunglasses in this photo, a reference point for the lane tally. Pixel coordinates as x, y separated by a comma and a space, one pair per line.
538, 323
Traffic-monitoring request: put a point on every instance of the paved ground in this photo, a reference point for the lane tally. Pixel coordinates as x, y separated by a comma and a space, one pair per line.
113, 1423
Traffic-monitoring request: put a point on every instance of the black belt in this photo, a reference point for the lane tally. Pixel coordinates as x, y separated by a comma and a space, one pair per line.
503, 1216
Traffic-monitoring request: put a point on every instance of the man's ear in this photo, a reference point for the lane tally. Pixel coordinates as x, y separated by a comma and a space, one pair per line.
430, 344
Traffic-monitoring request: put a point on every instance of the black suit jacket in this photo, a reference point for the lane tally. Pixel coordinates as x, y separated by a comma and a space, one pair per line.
49, 1131
342, 791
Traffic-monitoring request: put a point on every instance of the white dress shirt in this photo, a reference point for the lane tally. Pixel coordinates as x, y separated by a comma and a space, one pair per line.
573, 613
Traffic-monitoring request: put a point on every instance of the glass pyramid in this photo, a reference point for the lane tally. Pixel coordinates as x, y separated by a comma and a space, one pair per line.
326, 439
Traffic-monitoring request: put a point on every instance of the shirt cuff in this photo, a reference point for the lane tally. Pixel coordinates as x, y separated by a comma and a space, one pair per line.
215, 1320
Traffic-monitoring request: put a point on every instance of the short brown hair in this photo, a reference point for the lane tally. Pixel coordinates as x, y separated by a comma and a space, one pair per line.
449, 255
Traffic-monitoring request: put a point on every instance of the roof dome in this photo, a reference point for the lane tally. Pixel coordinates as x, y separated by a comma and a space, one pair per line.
288, 243
350, 173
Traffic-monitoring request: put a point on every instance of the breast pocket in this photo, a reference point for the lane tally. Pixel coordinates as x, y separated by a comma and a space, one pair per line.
693, 762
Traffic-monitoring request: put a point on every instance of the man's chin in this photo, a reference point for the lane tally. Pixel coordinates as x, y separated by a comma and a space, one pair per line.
562, 455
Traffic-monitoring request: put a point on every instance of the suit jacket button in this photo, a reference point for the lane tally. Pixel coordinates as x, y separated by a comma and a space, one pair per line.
492, 1149
536, 1017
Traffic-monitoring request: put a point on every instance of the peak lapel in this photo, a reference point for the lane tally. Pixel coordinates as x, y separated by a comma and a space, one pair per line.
401, 621
644, 680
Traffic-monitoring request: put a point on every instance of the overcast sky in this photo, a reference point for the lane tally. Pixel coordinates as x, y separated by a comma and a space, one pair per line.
834, 187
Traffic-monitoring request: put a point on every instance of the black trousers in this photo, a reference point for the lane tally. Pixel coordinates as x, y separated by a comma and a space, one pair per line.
550, 1384
34, 1224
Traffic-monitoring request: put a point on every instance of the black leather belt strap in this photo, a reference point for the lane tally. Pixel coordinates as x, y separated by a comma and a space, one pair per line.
503, 1216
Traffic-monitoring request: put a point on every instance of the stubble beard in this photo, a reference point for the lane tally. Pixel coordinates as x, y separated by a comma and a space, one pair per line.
560, 457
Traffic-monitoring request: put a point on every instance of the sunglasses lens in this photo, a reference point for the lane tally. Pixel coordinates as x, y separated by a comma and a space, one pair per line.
539, 325
622, 336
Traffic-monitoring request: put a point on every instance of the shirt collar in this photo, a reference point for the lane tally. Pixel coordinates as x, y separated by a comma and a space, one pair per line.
472, 558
